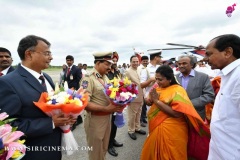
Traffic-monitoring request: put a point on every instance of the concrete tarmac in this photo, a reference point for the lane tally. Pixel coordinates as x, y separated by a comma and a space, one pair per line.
131, 149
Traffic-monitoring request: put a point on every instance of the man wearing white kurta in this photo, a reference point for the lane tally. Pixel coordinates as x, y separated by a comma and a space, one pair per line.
223, 52
147, 76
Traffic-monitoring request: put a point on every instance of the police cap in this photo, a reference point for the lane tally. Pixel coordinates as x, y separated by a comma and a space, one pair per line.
107, 56
155, 53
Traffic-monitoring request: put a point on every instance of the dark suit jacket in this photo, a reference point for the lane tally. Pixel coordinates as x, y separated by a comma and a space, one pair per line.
200, 91
76, 73
10, 69
18, 92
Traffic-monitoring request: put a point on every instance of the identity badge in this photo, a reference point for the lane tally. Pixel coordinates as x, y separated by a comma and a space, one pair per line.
71, 77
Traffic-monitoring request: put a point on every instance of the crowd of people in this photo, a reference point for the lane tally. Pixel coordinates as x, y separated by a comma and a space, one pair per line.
172, 99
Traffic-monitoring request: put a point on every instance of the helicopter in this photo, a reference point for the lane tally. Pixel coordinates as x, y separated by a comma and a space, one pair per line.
197, 51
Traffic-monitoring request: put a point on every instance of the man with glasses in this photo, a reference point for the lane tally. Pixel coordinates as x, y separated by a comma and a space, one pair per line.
196, 84
5, 61
23, 87
97, 122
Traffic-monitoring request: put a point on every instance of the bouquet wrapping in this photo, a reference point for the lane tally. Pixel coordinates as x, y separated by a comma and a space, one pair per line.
68, 102
121, 93
10, 145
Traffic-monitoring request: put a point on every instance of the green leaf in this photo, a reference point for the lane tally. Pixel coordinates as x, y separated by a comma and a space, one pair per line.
2, 123
62, 89
2, 151
14, 129
9, 120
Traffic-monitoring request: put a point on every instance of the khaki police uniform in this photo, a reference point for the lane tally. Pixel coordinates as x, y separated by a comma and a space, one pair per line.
97, 124
134, 108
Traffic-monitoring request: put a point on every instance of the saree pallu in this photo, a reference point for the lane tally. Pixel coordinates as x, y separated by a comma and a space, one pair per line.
168, 136
209, 107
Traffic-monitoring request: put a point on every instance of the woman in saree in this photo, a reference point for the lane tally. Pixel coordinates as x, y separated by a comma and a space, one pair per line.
169, 117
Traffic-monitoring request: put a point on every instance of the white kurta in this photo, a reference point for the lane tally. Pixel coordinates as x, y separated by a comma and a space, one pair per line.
225, 123
146, 74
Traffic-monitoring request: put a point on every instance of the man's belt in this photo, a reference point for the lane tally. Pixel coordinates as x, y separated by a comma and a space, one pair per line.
100, 113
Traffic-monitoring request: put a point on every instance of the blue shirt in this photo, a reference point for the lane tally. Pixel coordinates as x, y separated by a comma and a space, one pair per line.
185, 80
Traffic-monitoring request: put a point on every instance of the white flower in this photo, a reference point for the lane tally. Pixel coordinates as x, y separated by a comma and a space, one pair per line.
61, 100
49, 102
50, 94
126, 95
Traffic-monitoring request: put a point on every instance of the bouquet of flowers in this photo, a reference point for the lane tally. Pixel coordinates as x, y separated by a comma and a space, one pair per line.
120, 92
68, 102
10, 145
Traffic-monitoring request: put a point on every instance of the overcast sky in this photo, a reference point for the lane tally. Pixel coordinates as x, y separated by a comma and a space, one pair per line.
81, 27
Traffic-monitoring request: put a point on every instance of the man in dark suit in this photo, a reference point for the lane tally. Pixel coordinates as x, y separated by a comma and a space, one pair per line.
23, 87
197, 84
5, 61
73, 75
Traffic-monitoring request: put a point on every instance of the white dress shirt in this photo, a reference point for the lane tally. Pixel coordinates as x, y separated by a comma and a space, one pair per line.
84, 72
37, 75
4, 72
225, 122
146, 74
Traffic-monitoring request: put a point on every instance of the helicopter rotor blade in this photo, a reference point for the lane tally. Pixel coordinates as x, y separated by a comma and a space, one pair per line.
184, 45
170, 49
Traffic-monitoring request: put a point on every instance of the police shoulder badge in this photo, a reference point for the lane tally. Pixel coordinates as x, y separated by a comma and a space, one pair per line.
84, 84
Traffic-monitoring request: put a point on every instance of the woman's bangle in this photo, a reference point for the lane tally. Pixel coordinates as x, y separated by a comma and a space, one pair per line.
158, 102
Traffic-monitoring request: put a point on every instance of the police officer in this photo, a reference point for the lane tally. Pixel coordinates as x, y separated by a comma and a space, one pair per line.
112, 141
97, 122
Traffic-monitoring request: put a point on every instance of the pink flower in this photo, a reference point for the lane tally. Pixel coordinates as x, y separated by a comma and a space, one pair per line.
108, 92
121, 98
117, 94
5, 130
12, 137
128, 88
3, 116
13, 146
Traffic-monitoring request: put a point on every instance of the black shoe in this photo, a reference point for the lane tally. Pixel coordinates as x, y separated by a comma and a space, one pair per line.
73, 127
143, 125
132, 135
144, 120
117, 144
79, 120
112, 151
141, 132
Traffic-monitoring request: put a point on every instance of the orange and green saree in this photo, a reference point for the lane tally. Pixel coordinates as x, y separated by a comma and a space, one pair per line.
168, 136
